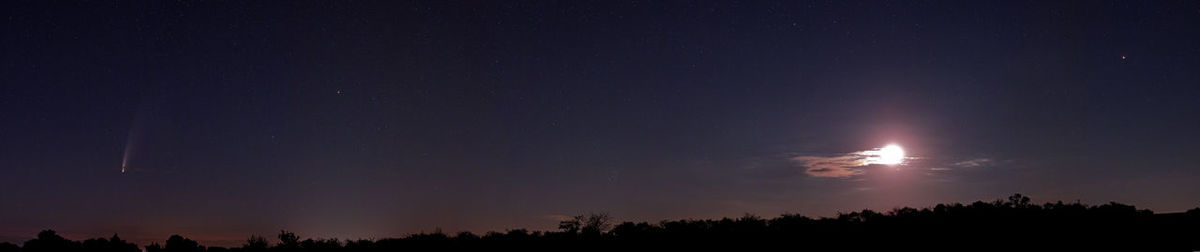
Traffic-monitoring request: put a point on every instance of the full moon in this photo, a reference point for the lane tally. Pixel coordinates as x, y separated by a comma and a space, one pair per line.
891, 155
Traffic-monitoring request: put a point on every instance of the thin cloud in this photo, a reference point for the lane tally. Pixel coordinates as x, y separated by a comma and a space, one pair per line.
842, 166
831, 167
978, 162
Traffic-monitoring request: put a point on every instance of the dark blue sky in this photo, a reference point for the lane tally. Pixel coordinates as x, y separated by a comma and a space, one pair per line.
378, 119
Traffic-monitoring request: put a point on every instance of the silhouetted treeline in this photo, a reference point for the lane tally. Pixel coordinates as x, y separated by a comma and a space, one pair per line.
49, 240
1012, 224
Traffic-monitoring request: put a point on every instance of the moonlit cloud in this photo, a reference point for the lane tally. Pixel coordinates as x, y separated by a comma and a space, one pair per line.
842, 166
978, 162
831, 167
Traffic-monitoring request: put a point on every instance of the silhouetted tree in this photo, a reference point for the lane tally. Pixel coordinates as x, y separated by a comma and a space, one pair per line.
255, 244
1018, 200
321, 244
630, 230
571, 226
154, 247
589, 225
435, 236
595, 224
994, 224
95, 244
360, 245
288, 240
115, 244
466, 236
177, 243
48, 240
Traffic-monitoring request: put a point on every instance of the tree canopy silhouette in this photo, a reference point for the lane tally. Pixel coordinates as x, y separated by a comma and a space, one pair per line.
1011, 224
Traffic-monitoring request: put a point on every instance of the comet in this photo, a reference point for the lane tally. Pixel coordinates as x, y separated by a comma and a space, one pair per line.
128, 152
129, 148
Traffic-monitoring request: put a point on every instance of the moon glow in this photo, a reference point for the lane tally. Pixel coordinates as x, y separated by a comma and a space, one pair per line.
890, 155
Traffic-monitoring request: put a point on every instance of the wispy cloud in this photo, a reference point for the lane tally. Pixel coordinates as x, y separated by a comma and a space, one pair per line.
978, 162
831, 167
841, 166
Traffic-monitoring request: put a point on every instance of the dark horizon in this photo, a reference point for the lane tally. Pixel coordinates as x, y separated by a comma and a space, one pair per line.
235, 243
1053, 222
220, 119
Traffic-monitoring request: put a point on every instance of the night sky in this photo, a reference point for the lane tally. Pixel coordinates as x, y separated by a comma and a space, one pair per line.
380, 119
